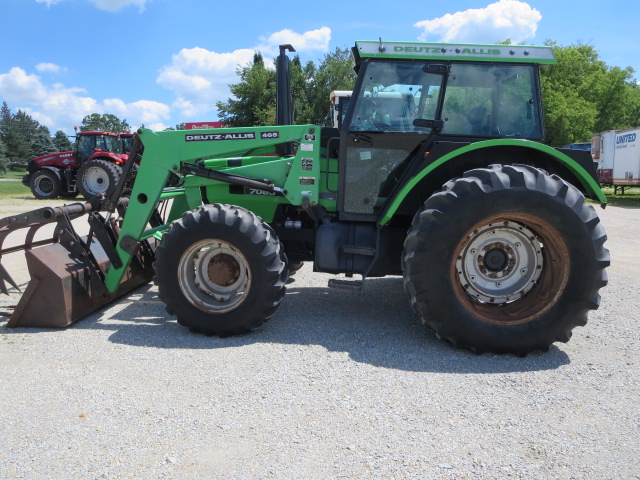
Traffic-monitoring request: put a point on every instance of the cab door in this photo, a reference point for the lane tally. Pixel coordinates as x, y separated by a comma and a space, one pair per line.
384, 131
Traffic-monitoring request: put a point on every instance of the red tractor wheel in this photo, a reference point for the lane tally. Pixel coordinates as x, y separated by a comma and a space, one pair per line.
96, 177
45, 185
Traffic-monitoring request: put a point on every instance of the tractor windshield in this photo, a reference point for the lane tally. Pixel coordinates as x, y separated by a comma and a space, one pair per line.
393, 95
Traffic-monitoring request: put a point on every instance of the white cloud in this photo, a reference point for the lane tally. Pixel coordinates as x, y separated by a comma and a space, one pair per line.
302, 42
116, 5
107, 5
60, 108
50, 68
19, 87
498, 21
200, 78
48, 3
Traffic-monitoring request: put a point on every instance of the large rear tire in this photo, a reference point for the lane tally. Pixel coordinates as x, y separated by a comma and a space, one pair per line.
220, 270
45, 185
97, 176
507, 259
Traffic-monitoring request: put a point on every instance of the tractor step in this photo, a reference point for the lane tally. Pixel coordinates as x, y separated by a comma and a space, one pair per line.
353, 285
357, 250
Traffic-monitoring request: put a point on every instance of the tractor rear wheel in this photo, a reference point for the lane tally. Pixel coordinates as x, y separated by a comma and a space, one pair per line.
220, 270
45, 185
507, 259
97, 176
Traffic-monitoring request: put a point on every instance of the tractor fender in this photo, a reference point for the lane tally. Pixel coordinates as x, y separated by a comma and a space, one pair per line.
55, 170
33, 168
581, 175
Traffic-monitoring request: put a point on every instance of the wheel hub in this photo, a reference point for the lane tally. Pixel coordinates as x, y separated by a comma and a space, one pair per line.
95, 180
499, 262
496, 259
214, 276
224, 270
44, 186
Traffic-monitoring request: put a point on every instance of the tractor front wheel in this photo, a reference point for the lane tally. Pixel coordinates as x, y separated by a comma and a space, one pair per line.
507, 259
45, 185
220, 270
97, 176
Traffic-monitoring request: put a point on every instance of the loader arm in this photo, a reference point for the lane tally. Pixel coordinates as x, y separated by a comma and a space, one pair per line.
209, 162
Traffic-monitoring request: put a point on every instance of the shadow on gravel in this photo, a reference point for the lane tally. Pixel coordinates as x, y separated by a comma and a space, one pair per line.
375, 326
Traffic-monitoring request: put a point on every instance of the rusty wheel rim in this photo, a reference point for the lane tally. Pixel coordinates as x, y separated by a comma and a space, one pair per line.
510, 270
214, 276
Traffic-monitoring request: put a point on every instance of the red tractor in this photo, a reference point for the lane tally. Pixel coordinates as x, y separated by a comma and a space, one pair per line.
93, 167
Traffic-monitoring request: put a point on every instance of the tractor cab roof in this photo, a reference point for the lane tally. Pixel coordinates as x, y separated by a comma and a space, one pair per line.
451, 51
98, 133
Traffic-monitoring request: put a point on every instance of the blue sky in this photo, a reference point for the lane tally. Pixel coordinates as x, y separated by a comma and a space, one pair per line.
162, 62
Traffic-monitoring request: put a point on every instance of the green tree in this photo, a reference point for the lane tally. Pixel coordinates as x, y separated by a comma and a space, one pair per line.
9, 134
335, 72
106, 122
6, 118
582, 95
42, 143
22, 131
4, 161
62, 142
254, 97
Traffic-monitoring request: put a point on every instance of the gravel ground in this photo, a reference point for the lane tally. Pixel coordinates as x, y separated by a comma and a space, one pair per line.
335, 385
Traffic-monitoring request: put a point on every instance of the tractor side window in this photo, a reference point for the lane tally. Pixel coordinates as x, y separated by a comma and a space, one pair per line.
112, 144
86, 147
101, 144
393, 95
491, 100
86, 143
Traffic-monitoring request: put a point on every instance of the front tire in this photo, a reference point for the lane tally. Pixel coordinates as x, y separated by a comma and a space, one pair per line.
507, 259
220, 270
45, 185
96, 177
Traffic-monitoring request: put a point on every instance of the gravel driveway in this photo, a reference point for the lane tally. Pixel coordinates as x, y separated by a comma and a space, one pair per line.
336, 385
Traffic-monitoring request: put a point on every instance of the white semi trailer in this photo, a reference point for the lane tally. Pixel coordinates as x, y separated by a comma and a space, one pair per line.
617, 154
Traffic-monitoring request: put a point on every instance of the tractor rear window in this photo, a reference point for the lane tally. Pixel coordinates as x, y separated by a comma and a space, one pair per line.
491, 100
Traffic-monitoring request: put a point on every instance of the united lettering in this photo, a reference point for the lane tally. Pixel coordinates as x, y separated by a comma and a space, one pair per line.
628, 138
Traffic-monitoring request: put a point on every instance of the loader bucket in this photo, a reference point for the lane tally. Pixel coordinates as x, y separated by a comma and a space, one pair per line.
67, 271
61, 290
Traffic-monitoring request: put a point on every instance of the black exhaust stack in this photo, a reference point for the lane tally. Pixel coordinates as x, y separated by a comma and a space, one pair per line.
284, 100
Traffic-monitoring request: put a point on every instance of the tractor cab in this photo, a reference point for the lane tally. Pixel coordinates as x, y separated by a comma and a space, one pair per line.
89, 144
401, 106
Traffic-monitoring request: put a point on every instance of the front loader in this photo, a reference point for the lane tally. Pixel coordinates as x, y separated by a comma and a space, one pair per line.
437, 174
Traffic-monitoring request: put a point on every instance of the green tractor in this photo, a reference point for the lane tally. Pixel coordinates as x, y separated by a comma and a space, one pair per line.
437, 174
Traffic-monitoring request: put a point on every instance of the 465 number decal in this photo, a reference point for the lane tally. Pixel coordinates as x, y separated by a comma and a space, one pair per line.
267, 135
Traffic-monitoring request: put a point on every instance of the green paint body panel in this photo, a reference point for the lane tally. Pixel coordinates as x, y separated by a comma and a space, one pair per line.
585, 179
